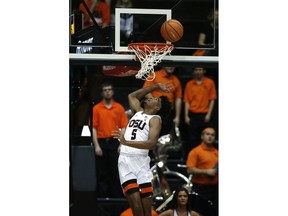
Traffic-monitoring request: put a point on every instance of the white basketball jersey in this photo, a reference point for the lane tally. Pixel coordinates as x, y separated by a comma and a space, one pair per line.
137, 130
175, 213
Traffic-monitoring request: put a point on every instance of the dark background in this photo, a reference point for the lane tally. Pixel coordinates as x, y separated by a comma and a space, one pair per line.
84, 88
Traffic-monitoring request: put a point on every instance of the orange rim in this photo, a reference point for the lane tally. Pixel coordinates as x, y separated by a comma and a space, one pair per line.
141, 46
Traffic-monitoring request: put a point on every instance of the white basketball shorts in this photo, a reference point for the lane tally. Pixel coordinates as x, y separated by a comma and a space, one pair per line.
135, 174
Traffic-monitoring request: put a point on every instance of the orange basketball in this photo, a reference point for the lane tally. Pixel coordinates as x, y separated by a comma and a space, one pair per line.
172, 30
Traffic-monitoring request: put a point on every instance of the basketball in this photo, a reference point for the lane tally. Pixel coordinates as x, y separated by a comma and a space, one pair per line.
172, 30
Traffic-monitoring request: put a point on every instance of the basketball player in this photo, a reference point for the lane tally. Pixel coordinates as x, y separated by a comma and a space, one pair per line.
139, 137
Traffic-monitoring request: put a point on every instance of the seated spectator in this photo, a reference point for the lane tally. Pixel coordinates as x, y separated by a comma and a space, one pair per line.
100, 11
208, 36
180, 204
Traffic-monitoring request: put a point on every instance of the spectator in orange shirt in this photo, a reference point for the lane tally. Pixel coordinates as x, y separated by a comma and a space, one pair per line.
165, 75
99, 9
199, 99
202, 163
108, 115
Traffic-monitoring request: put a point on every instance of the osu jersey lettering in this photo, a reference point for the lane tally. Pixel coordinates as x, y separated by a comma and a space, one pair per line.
137, 130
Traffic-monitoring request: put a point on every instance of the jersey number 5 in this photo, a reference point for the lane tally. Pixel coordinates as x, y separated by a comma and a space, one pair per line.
133, 137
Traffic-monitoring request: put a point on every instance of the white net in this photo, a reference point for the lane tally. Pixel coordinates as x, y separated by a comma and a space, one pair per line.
149, 54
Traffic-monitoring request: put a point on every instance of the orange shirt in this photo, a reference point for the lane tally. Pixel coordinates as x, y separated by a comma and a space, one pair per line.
176, 91
106, 120
203, 158
128, 212
198, 96
101, 12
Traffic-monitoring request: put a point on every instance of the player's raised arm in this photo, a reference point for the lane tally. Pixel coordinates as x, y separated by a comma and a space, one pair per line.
135, 97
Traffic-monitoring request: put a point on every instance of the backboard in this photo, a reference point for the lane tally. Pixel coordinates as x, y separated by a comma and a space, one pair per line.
140, 31
145, 24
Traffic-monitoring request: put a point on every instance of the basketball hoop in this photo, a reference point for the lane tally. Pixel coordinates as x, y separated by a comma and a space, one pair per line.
149, 54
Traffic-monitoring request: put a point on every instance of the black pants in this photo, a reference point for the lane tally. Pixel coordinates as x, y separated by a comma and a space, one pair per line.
108, 183
197, 125
208, 192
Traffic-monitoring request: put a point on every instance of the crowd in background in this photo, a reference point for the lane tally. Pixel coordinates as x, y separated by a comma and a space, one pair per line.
194, 107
